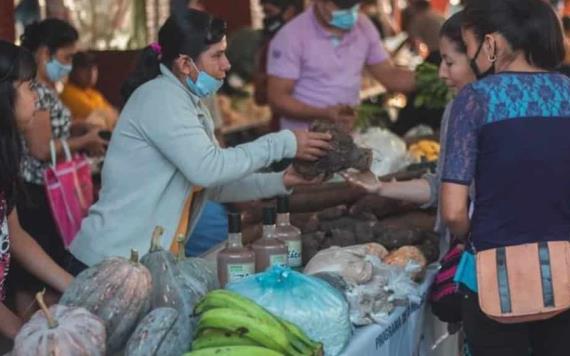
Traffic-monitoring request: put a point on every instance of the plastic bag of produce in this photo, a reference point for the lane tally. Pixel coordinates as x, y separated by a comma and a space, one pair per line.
369, 302
400, 282
375, 300
350, 262
389, 152
335, 280
319, 309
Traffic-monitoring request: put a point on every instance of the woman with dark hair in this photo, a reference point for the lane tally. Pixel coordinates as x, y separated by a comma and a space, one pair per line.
52, 42
454, 69
508, 135
163, 160
17, 71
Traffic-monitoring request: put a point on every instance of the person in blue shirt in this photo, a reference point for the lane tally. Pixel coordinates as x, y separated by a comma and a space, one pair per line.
211, 229
508, 133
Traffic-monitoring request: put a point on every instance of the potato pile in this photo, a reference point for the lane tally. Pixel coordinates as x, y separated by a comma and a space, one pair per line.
425, 150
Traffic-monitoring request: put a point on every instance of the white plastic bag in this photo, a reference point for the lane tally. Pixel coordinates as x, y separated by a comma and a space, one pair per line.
374, 301
389, 152
349, 262
401, 285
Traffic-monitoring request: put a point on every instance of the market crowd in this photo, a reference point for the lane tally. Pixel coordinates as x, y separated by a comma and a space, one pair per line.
501, 184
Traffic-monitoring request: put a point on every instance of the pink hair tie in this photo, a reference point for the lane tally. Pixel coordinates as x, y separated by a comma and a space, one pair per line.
155, 46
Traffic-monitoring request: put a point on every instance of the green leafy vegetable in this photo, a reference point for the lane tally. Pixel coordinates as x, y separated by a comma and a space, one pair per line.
432, 93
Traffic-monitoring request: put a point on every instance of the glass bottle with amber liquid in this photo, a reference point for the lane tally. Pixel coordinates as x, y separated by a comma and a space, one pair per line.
235, 261
268, 249
288, 233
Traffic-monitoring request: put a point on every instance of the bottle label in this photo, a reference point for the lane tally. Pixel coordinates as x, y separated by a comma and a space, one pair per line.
295, 253
279, 260
240, 271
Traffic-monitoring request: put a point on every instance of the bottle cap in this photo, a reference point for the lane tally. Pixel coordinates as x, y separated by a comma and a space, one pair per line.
234, 223
269, 215
282, 204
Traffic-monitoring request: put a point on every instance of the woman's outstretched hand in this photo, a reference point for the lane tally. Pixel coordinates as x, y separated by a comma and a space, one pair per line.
365, 180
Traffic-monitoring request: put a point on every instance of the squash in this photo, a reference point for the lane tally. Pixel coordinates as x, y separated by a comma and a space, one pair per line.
117, 290
60, 331
201, 271
170, 288
162, 333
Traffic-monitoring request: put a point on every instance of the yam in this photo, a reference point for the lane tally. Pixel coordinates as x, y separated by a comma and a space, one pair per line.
345, 154
305, 201
364, 231
393, 238
430, 247
332, 213
341, 238
422, 220
307, 222
379, 206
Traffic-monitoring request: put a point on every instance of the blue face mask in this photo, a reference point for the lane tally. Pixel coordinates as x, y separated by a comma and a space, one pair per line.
205, 84
345, 19
55, 70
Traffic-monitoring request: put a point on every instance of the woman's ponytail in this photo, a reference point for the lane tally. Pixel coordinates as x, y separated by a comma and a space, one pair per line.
147, 68
189, 32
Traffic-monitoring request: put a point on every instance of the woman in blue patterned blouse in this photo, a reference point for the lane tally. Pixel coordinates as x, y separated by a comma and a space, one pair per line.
508, 134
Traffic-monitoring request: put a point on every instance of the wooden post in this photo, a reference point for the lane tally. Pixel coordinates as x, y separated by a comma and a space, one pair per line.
7, 24
237, 13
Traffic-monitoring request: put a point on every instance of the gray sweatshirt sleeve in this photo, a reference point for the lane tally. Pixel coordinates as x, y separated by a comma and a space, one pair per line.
174, 126
255, 186
434, 184
434, 180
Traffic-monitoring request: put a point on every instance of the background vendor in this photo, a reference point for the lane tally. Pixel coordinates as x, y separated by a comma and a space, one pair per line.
82, 98
315, 64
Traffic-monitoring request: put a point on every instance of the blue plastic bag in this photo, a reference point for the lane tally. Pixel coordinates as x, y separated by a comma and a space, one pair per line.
310, 303
466, 273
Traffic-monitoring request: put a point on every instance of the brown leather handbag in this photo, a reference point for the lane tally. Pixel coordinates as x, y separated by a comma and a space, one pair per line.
525, 282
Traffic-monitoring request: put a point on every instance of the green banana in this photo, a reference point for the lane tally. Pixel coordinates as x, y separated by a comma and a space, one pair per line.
299, 334
265, 334
298, 345
235, 351
300, 341
218, 338
226, 299
222, 298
